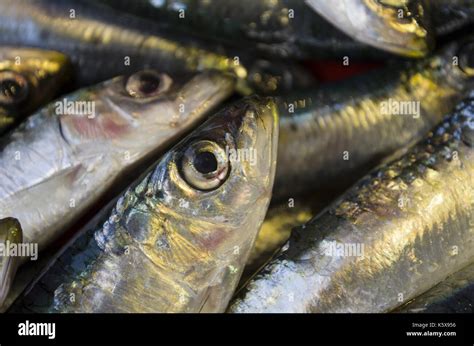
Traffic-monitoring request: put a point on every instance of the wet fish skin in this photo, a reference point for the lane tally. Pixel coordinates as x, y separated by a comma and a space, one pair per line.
29, 78
10, 233
332, 136
398, 26
104, 43
57, 164
169, 246
453, 295
282, 28
410, 216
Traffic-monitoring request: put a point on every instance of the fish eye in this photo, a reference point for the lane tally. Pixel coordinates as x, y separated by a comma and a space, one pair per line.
466, 58
204, 165
147, 83
13, 88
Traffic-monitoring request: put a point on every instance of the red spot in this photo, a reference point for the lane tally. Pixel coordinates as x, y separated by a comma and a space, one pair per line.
329, 71
214, 239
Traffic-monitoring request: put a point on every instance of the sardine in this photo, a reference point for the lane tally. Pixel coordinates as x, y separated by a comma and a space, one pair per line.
399, 26
81, 148
292, 28
177, 241
398, 232
29, 78
332, 136
103, 43
10, 234
453, 295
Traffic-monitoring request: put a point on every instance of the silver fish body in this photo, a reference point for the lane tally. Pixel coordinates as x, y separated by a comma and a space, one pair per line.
178, 241
29, 78
453, 295
398, 232
292, 28
63, 160
332, 136
10, 236
103, 43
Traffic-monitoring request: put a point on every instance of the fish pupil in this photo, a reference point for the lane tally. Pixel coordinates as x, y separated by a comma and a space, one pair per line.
10, 88
148, 83
205, 162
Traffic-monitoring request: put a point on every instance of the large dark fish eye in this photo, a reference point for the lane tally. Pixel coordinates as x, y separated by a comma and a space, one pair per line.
204, 165
13, 88
147, 83
466, 58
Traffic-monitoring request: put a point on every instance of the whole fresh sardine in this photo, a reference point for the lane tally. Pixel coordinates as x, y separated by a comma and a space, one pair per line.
398, 232
332, 136
293, 28
74, 152
453, 295
10, 235
103, 43
29, 78
178, 241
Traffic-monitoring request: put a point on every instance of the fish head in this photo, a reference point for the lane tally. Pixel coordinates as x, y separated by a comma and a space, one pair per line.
203, 204
28, 78
136, 112
398, 26
10, 233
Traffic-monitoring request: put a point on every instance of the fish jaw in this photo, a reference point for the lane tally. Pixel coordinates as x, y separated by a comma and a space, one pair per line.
10, 233
409, 35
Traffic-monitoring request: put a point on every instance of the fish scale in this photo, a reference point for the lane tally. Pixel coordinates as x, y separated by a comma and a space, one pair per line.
408, 247
354, 116
116, 265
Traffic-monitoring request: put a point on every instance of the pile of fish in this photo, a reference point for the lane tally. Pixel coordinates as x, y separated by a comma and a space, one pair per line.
188, 156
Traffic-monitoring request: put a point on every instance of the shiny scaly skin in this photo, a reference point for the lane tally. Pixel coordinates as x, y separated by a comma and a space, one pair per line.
284, 28
453, 295
104, 43
45, 72
349, 118
167, 247
413, 217
10, 233
55, 167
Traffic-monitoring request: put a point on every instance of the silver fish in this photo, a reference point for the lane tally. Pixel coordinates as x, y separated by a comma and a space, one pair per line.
398, 232
292, 28
103, 43
178, 241
77, 150
453, 295
10, 234
332, 136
